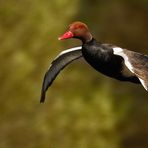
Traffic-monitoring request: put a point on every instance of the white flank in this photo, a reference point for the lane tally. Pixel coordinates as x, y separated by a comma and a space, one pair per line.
143, 83
119, 51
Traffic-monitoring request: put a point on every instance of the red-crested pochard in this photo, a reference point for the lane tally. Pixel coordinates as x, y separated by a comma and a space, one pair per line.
113, 61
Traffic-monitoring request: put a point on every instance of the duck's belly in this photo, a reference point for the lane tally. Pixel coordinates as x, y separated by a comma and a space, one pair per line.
111, 66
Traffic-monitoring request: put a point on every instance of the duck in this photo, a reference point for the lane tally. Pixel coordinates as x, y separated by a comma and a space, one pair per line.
110, 60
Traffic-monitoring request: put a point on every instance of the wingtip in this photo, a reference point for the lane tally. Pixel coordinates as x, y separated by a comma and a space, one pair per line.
42, 100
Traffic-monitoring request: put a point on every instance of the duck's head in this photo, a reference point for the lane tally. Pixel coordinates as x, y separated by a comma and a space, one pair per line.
77, 30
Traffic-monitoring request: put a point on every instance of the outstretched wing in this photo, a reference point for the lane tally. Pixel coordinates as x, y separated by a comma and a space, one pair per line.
137, 63
63, 59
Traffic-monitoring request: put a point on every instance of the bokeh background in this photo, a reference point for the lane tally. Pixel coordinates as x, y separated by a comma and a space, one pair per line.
83, 108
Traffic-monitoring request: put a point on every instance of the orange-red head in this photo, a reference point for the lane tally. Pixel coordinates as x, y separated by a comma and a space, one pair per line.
77, 30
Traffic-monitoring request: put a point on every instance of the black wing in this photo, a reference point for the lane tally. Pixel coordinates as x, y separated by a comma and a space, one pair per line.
57, 65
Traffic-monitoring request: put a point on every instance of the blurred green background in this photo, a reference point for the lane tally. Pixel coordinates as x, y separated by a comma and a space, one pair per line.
83, 108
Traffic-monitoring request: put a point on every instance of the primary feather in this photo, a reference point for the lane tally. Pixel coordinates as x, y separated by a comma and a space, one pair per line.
57, 65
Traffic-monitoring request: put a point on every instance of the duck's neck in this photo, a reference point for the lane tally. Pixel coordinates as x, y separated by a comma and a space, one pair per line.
86, 38
92, 42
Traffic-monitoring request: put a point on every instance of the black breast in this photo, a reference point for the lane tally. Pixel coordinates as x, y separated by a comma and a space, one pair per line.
101, 57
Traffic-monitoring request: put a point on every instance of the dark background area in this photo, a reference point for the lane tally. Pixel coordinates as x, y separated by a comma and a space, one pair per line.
83, 108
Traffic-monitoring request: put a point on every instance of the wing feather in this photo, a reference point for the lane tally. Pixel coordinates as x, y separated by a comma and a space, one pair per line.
140, 67
63, 59
137, 63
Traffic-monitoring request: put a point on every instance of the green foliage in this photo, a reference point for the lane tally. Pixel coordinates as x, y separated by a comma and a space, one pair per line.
98, 112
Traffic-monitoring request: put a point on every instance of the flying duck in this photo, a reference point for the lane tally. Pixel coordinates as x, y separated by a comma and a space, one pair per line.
110, 60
